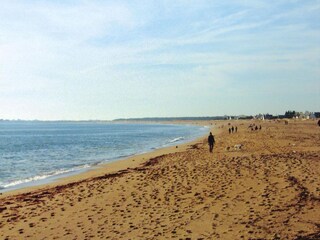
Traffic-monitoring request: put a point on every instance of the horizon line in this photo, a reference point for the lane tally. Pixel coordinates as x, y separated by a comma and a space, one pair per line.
146, 118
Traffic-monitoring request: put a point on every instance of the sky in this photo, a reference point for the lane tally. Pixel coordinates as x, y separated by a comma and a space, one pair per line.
82, 60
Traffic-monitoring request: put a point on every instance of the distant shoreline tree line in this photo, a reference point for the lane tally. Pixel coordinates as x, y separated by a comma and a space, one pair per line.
288, 114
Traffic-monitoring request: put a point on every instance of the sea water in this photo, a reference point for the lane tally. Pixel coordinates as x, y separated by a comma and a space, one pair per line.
33, 153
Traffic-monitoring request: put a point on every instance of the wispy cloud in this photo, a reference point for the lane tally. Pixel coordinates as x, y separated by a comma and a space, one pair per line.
84, 53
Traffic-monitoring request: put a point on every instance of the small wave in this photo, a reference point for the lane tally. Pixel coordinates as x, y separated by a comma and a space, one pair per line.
121, 156
95, 164
176, 139
41, 177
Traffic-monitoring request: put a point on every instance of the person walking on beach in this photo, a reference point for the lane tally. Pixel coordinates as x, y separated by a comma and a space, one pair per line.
236, 129
211, 141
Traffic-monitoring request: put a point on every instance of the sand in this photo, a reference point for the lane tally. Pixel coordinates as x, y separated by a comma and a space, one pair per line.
267, 189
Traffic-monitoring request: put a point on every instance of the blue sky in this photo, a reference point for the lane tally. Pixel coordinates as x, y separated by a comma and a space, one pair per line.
112, 59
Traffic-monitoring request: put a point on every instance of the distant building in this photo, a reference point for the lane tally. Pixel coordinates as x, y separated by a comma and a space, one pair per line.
312, 116
259, 116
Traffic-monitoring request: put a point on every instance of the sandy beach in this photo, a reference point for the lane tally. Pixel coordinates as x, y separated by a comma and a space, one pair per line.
261, 184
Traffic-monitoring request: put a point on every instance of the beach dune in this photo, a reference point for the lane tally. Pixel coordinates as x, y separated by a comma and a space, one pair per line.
267, 189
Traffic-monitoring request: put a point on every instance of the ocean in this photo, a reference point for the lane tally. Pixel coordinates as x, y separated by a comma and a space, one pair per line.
33, 153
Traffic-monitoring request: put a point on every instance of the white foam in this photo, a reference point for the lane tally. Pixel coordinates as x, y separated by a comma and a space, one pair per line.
176, 139
41, 177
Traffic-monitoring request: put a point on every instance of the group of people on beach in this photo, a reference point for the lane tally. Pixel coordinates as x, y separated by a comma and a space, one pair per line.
254, 127
233, 129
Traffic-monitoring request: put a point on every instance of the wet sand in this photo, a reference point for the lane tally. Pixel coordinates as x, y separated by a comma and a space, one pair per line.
267, 189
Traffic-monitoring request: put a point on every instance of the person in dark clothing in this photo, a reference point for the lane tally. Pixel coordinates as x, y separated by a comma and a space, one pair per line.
236, 129
319, 123
232, 129
229, 130
211, 141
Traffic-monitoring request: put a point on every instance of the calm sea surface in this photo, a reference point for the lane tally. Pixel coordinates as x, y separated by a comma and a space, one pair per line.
34, 153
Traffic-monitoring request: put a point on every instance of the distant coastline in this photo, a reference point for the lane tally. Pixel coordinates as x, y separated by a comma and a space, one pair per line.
288, 114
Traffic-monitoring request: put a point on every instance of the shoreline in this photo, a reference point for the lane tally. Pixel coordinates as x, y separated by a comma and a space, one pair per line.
112, 166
